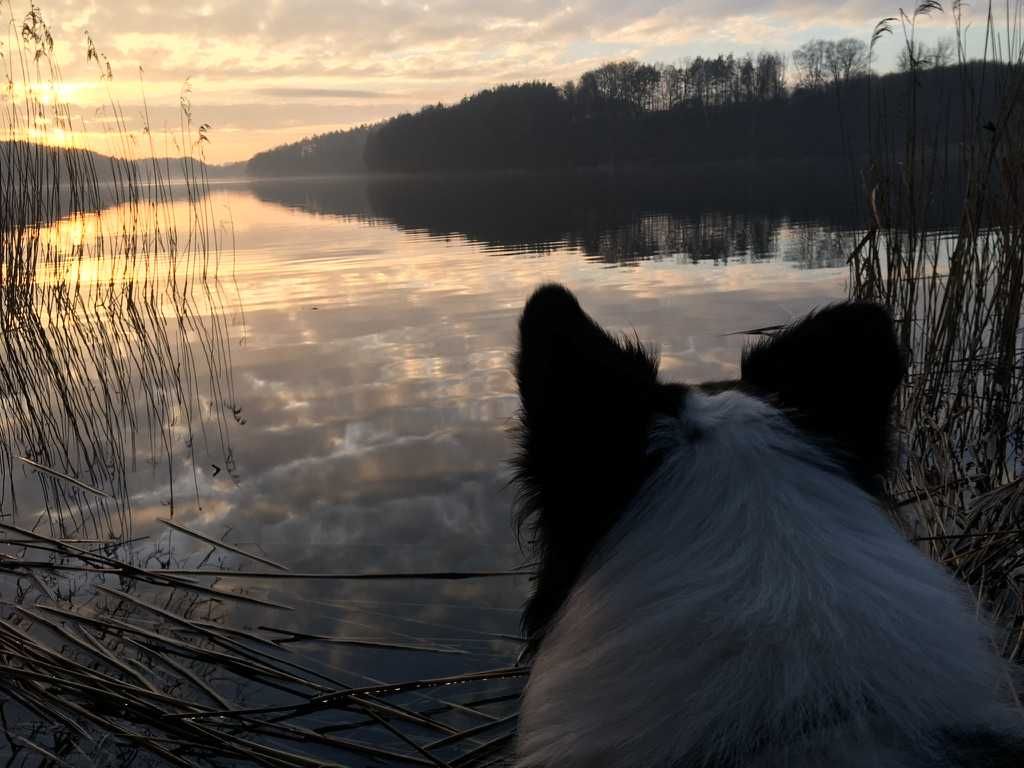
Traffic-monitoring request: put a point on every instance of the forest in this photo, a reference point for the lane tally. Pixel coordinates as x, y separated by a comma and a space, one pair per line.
817, 104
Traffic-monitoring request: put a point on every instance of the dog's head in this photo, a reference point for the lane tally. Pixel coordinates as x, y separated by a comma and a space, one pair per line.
590, 400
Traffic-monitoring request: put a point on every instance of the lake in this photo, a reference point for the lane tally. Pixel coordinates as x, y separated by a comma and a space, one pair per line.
336, 393
374, 363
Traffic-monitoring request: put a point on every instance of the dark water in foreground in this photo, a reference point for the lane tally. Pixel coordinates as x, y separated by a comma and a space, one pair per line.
370, 328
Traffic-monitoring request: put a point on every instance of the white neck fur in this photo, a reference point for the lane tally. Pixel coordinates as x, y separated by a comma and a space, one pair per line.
755, 607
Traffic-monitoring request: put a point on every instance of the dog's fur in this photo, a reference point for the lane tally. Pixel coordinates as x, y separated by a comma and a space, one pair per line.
717, 584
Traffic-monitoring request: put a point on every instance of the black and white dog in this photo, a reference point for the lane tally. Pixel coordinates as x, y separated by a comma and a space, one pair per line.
718, 584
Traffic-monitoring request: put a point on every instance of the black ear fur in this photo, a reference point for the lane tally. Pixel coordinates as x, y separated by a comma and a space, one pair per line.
588, 401
836, 372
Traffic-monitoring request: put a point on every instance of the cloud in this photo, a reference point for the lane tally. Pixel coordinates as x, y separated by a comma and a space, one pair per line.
310, 52
321, 93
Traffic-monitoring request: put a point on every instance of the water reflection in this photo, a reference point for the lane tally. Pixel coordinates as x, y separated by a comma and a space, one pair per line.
114, 358
619, 220
376, 381
377, 387
369, 404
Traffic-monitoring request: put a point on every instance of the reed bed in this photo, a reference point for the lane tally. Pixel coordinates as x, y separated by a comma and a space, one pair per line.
115, 330
115, 353
956, 294
149, 669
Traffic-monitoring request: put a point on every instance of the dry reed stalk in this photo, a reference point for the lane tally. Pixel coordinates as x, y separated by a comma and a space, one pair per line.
957, 298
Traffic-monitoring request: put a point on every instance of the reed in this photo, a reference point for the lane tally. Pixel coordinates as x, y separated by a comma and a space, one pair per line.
115, 353
956, 295
112, 323
153, 670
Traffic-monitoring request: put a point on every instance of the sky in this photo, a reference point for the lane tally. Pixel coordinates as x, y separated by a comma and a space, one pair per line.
266, 72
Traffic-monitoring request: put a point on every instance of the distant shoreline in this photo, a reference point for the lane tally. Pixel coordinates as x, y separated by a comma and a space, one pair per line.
757, 166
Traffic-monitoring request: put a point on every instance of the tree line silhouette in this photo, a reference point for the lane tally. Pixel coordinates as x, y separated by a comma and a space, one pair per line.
328, 153
629, 114
703, 214
82, 181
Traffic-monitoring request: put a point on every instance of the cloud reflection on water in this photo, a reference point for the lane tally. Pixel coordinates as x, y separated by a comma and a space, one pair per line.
376, 390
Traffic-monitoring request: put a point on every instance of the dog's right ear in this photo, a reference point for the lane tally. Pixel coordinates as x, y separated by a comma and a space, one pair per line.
588, 401
836, 372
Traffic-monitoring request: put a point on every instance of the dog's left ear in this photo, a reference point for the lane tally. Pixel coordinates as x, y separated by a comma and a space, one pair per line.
837, 372
588, 401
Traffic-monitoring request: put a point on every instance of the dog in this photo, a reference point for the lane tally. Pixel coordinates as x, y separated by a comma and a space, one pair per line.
718, 584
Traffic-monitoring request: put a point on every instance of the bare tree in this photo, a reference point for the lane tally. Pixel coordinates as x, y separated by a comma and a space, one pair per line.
747, 79
820, 62
628, 82
771, 76
810, 63
846, 59
917, 55
671, 91
642, 85
943, 52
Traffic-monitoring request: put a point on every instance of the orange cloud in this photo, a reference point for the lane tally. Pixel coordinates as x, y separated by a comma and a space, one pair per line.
334, 63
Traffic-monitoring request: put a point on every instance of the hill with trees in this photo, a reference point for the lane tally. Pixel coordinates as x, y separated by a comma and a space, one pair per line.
633, 115
42, 182
334, 152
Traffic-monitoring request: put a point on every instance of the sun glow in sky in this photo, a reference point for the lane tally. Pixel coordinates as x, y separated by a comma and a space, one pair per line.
266, 72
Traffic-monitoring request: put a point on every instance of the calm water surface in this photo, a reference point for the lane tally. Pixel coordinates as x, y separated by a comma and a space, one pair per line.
370, 330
